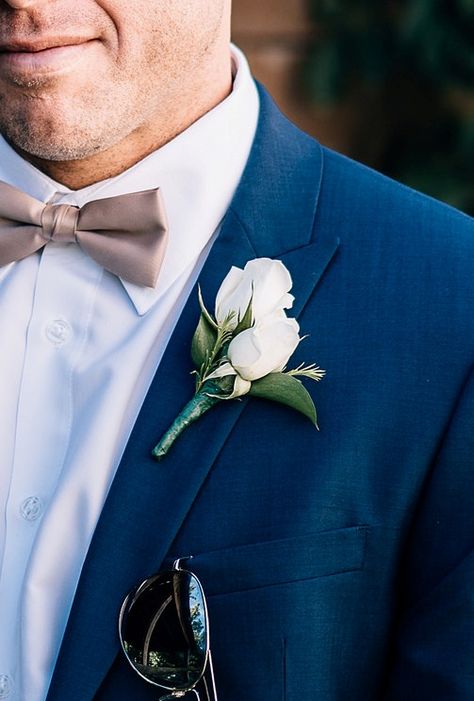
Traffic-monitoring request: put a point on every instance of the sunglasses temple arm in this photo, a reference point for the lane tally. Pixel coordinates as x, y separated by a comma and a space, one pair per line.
209, 681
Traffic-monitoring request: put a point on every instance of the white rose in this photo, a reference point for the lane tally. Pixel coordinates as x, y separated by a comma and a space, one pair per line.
267, 281
264, 348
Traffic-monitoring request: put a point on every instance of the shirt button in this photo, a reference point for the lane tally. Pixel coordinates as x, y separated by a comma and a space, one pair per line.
58, 332
31, 509
5, 686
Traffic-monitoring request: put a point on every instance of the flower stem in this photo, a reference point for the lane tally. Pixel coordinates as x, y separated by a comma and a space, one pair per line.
194, 409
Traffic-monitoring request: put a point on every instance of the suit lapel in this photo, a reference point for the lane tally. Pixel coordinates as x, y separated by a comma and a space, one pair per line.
272, 215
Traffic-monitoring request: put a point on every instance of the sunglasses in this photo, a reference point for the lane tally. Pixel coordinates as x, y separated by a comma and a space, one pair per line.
164, 632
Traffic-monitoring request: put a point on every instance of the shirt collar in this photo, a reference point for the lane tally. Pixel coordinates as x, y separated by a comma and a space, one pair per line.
197, 172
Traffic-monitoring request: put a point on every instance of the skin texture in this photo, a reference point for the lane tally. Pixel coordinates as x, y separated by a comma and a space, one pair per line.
139, 73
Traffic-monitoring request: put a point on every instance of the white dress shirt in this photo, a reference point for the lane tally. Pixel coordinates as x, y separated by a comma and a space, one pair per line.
78, 351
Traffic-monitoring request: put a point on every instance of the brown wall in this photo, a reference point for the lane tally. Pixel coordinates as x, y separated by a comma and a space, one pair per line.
403, 126
274, 34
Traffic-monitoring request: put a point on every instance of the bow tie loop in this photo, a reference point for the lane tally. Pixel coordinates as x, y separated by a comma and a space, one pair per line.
59, 223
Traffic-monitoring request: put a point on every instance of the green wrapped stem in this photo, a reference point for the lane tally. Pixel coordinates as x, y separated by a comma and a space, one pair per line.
194, 409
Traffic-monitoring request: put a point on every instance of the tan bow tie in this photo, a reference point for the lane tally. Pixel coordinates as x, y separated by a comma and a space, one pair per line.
127, 234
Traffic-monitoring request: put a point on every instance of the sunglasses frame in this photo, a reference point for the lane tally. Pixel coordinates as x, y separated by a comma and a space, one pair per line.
207, 667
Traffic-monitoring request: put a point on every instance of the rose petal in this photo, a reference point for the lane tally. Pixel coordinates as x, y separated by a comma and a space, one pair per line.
267, 282
227, 300
264, 348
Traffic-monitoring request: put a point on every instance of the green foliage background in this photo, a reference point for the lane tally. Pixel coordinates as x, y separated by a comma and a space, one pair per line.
411, 64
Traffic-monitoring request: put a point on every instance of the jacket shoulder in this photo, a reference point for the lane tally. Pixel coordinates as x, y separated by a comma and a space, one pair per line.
379, 204
413, 252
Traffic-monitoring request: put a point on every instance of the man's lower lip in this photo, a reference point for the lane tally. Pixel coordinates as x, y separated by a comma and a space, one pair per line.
56, 58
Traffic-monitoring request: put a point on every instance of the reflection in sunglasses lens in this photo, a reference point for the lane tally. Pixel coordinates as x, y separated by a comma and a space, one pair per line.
164, 630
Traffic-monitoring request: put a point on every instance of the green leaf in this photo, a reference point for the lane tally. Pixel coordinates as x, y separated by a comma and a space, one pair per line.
246, 321
204, 311
203, 341
283, 388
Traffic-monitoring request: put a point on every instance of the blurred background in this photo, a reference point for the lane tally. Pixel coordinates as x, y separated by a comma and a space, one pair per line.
389, 83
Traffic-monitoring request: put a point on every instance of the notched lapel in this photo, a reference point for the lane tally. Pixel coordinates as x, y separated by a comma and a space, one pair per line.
272, 215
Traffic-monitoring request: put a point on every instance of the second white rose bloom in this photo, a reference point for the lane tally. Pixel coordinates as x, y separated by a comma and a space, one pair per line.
267, 282
264, 348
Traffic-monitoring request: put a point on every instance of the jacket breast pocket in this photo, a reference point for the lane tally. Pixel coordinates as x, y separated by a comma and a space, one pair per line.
273, 601
282, 561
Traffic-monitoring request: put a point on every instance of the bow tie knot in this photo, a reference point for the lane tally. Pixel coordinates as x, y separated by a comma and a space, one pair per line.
126, 235
59, 223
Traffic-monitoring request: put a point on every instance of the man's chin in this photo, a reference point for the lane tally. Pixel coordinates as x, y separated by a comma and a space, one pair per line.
31, 142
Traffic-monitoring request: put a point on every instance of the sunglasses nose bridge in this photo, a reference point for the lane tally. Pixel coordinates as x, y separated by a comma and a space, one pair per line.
179, 695
177, 563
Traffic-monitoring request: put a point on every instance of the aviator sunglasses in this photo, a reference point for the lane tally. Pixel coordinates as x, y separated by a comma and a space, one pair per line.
164, 632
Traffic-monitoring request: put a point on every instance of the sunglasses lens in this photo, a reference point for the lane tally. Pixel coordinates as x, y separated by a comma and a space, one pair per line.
164, 630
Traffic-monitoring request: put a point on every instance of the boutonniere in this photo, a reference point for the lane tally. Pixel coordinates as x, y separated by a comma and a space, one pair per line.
244, 347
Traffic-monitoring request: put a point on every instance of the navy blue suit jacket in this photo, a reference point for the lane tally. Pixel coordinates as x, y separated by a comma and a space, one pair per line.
338, 564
